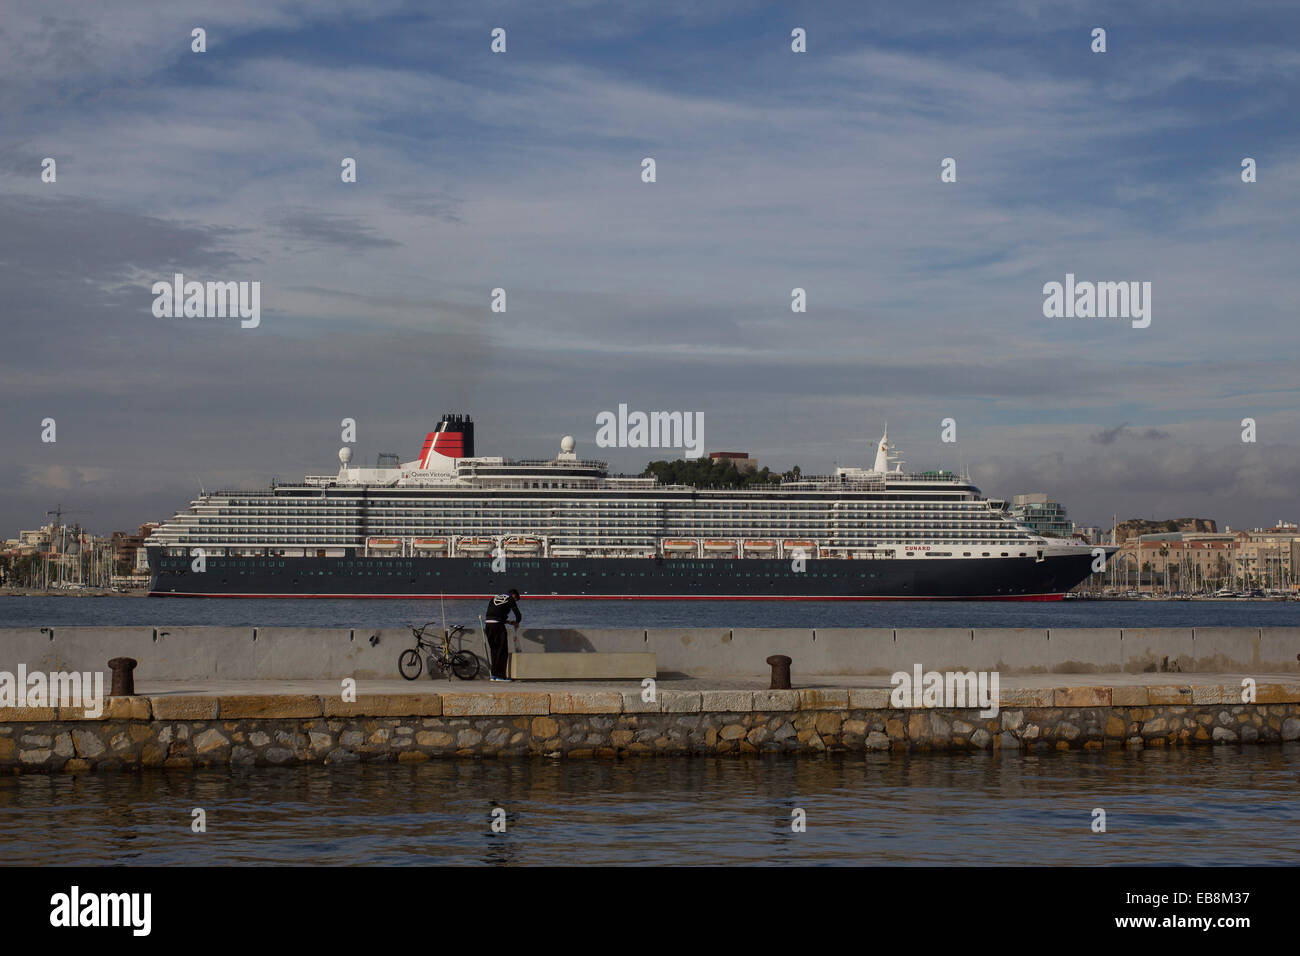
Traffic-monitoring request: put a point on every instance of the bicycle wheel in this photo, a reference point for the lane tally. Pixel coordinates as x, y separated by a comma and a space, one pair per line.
408, 664
464, 665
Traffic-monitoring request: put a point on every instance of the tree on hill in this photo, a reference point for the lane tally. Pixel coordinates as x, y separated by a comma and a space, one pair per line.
711, 473
1138, 526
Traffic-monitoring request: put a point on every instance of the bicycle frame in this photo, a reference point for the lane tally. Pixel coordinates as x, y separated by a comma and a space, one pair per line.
427, 644
444, 659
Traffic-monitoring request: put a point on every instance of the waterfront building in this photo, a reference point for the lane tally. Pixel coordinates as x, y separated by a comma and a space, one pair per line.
740, 459
128, 548
35, 542
1266, 557
1041, 515
1195, 562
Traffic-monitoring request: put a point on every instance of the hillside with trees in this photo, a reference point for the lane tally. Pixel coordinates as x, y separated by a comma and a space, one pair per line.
712, 473
1136, 526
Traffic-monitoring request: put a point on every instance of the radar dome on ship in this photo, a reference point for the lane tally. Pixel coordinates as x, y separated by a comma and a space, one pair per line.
345, 454
567, 444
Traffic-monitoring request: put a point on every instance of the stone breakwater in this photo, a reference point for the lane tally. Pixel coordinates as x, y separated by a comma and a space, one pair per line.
185, 731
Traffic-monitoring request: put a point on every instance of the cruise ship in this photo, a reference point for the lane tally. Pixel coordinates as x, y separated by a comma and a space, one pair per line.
454, 524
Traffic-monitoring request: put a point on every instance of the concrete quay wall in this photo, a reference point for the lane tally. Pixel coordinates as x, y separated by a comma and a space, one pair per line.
186, 731
293, 653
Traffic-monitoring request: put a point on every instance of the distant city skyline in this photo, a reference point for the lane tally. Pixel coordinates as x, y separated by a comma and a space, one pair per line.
775, 171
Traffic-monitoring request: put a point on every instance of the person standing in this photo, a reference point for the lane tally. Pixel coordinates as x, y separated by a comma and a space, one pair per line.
499, 610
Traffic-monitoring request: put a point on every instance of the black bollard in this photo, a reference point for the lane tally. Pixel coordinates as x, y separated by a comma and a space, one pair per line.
780, 671
123, 676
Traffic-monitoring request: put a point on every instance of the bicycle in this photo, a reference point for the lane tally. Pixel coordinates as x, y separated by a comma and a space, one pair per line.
461, 663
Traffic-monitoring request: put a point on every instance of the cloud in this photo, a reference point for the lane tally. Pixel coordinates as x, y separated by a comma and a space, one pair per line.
775, 171
350, 232
1108, 436
435, 206
63, 478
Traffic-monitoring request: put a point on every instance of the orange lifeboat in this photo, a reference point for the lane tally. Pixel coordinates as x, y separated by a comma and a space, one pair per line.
475, 544
429, 544
523, 544
383, 544
719, 546
807, 547
760, 547
678, 546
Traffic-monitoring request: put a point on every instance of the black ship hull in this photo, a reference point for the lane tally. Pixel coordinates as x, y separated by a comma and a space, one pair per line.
920, 578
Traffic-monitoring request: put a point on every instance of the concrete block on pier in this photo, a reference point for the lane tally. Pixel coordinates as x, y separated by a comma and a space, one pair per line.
1150, 650
292, 653
1081, 697
184, 707
870, 698
1009, 697
1080, 650
1270, 693
78, 649
1215, 694
1170, 694
556, 640
848, 650
1279, 650
634, 702
1011, 650
1225, 649
113, 708
508, 704
636, 666
938, 649
186, 652
383, 705
598, 702
700, 652
727, 701
239, 706
1125, 695
824, 699
774, 700
680, 701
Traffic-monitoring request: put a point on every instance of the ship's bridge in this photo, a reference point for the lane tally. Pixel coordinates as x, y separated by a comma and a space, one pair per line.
862, 479
542, 468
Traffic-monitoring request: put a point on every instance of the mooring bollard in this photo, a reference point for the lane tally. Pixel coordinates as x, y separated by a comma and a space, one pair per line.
123, 677
780, 672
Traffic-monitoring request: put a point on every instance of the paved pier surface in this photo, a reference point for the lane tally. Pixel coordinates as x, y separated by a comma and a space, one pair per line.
331, 688
820, 654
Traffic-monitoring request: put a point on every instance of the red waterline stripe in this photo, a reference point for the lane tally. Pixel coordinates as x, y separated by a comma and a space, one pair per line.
617, 597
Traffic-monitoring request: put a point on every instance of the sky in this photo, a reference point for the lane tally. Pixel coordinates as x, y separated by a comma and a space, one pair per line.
774, 170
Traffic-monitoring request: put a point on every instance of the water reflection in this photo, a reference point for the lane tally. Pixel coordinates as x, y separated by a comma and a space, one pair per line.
1203, 806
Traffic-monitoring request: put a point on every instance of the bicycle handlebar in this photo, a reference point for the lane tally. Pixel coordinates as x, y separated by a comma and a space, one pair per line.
419, 631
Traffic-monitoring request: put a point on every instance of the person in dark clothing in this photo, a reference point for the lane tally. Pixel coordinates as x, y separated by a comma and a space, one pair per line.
499, 610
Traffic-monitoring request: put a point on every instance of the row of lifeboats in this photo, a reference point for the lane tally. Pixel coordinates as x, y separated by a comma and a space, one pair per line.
760, 546
427, 547
523, 544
